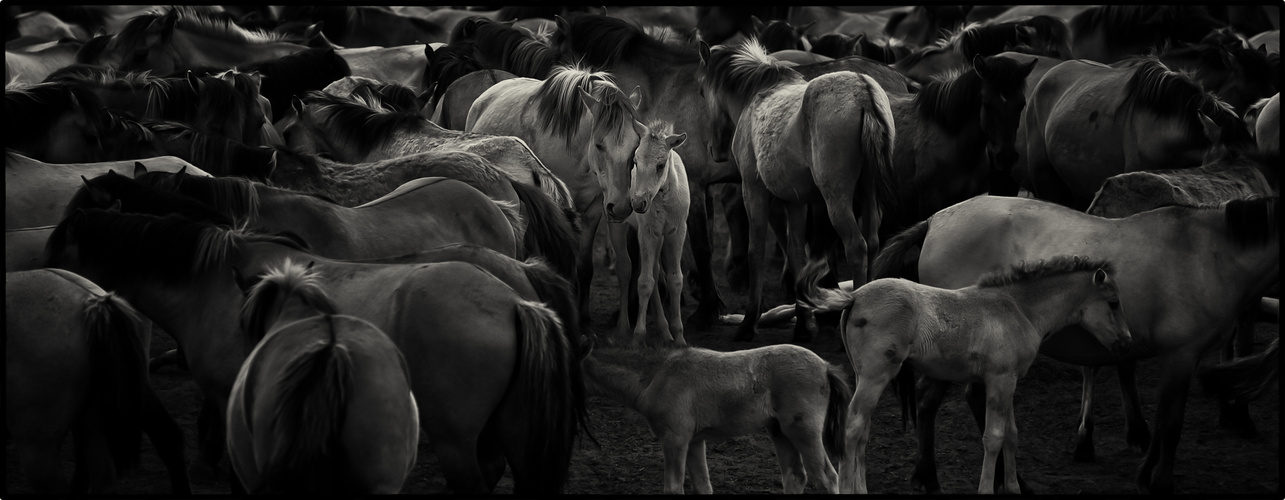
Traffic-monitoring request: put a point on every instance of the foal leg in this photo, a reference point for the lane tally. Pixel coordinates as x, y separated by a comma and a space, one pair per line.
870, 384
624, 266
930, 394
976, 394
648, 250
1084, 435
671, 263
711, 304
756, 204
999, 389
699, 468
675, 450
793, 477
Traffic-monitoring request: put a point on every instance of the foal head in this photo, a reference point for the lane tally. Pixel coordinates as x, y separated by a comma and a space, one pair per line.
1003, 99
652, 163
1089, 292
730, 77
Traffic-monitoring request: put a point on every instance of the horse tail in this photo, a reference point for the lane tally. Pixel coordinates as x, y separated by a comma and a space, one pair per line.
836, 410
307, 418
549, 232
905, 389
891, 261
514, 216
878, 137
557, 291
1244, 379
118, 375
818, 299
549, 398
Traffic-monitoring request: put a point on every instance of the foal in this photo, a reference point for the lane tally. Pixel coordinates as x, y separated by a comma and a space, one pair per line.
989, 332
688, 395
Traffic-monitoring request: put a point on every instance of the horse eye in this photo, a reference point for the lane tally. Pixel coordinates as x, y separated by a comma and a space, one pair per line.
660, 167
599, 146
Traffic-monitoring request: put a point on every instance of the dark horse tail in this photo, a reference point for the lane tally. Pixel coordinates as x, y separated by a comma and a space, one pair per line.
545, 387
556, 291
900, 259
896, 260
836, 410
552, 232
1244, 379
118, 375
308, 419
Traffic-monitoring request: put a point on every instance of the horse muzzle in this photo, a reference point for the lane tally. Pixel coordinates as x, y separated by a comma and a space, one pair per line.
1121, 346
640, 206
613, 217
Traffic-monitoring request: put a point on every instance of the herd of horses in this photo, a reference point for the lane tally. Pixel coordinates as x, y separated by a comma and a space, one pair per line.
361, 225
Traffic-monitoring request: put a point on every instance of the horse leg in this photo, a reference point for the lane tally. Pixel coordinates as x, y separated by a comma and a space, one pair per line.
976, 394
95, 471
796, 223
210, 437
41, 465
711, 305
734, 260
671, 263
490, 455
648, 252
1155, 476
1137, 435
699, 467
624, 267
793, 477
998, 390
930, 394
1084, 435
1235, 415
167, 437
590, 219
870, 384
675, 449
756, 205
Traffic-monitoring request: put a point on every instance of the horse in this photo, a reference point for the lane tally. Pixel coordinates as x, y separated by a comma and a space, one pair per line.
451, 109
217, 155
183, 38
362, 26
290, 75
690, 395
665, 75
62, 123
1268, 41
481, 43
323, 402
776, 35
547, 230
211, 104
951, 136
585, 128
417, 215
1227, 252
452, 321
1267, 128
1087, 121
75, 359
718, 24
403, 64
35, 192
1129, 193
1041, 35
788, 148
46, 25
828, 19
994, 331
1010, 182
659, 195
353, 133
1110, 33
1238, 75
31, 65
924, 24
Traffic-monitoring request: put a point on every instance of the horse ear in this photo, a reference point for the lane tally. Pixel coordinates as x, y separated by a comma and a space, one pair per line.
704, 52
602, 10
979, 63
965, 9
804, 28
589, 100
194, 82
428, 51
309, 266
1100, 277
757, 24
635, 97
182, 171
297, 104
1030, 67
563, 25
1212, 130
139, 169
115, 206
674, 141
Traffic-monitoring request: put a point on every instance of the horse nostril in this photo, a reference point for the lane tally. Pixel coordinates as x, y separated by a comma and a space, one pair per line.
611, 208
641, 208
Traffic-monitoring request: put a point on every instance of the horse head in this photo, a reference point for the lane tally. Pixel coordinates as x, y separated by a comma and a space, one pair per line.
1102, 315
651, 166
1003, 99
611, 151
722, 122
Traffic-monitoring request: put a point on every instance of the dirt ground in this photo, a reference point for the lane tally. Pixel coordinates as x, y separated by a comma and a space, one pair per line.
629, 461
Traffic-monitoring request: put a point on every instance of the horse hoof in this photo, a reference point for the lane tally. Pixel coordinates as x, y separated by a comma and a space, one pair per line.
1084, 453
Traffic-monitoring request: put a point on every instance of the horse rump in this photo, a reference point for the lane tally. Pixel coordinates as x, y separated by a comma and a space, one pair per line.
1244, 379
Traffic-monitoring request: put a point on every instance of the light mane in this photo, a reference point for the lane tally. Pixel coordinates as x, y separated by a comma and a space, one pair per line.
1056, 266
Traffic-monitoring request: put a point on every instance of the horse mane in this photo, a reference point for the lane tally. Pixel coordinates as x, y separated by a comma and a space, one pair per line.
42, 104
954, 98
212, 25
136, 197
356, 125
988, 40
219, 155
93, 49
448, 64
1254, 64
1056, 266
289, 279
888, 52
511, 49
1174, 94
386, 96
172, 247
744, 71
310, 69
558, 103
233, 196
604, 41
1135, 24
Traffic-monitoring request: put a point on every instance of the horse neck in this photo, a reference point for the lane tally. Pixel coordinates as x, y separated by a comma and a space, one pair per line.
614, 381
304, 172
198, 50
1049, 303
